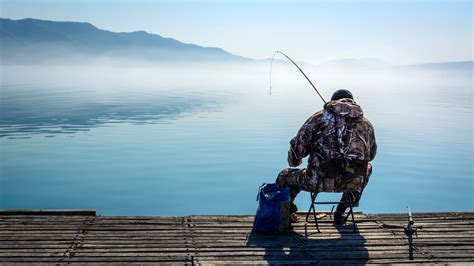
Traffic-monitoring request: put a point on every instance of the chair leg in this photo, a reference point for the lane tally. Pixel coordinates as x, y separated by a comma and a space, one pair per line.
312, 208
316, 218
351, 212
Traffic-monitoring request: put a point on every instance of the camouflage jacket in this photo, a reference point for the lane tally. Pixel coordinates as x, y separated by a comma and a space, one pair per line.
340, 131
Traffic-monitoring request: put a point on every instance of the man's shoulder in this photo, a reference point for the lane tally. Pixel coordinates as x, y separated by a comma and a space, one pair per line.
314, 117
367, 123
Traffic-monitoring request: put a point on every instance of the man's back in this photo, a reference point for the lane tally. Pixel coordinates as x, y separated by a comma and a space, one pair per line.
339, 132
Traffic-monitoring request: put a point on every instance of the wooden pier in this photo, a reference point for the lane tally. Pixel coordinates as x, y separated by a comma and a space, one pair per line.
84, 238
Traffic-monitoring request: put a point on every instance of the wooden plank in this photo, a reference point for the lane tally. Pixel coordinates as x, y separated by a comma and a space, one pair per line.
465, 231
161, 260
276, 254
369, 222
295, 256
305, 261
218, 242
85, 212
201, 250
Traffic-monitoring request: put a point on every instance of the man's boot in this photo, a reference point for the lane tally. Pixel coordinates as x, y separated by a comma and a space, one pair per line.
339, 214
293, 207
293, 210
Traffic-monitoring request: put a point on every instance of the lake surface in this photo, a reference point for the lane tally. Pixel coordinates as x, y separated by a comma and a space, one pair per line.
173, 140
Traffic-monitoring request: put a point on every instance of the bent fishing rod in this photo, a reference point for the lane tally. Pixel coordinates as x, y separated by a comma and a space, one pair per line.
271, 67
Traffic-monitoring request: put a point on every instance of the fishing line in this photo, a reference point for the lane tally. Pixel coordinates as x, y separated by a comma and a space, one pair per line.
271, 67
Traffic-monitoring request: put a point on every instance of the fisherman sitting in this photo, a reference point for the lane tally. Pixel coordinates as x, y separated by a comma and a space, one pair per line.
340, 142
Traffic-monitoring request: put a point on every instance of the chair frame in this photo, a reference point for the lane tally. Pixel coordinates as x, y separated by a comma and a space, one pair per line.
312, 209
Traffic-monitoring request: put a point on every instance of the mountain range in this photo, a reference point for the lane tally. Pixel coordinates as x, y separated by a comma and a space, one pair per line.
33, 40
38, 41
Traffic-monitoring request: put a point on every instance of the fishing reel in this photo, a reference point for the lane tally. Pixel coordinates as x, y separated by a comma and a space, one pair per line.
410, 229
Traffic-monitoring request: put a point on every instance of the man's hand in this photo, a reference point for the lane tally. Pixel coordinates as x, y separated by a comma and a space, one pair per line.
293, 161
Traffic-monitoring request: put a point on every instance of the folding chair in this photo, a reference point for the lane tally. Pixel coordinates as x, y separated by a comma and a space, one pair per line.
340, 168
313, 209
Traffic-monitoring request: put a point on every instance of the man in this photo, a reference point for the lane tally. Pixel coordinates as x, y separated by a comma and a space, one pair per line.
340, 142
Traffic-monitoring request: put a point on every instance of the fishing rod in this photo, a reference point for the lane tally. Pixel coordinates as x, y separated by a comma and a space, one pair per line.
271, 67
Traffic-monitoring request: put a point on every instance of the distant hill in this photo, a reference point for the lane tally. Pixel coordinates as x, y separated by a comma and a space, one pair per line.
361, 63
377, 64
445, 66
34, 40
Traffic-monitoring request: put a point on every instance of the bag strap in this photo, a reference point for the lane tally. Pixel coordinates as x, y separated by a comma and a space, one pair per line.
260, 191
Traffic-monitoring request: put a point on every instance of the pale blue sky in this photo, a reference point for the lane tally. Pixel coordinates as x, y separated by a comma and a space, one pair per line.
400, 32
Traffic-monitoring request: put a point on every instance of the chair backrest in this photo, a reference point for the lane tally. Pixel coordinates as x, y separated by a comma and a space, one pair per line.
342, 176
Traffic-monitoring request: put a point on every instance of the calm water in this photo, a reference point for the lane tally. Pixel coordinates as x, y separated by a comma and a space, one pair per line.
200, 140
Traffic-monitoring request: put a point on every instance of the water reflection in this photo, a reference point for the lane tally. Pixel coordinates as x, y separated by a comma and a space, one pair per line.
25, 112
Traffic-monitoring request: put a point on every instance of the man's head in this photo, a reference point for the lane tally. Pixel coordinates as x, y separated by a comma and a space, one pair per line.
340, 94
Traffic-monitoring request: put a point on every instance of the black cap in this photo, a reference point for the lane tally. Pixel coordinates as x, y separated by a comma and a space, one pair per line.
339, 94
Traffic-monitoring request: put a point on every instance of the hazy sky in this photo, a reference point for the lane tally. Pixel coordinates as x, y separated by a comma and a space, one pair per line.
315, 31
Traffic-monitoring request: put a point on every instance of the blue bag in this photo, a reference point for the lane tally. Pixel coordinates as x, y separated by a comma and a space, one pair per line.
273, 213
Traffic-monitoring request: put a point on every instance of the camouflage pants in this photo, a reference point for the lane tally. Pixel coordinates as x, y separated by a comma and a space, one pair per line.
331, 177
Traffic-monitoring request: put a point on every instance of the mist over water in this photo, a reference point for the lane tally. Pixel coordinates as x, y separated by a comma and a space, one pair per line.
196, 138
